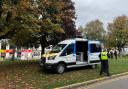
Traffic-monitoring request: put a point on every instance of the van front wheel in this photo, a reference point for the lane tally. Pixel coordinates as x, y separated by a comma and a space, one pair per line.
60, 68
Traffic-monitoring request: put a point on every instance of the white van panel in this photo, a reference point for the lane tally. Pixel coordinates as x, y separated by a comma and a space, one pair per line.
93, 56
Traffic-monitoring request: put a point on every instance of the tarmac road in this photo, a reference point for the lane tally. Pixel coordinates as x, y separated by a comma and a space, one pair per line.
116, 83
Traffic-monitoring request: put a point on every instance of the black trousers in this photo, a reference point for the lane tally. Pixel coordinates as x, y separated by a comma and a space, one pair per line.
104, 67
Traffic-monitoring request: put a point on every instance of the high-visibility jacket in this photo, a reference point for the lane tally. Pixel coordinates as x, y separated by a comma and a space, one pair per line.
104, 56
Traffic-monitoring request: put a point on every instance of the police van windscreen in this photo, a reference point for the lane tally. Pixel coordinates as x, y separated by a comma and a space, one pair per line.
57, 48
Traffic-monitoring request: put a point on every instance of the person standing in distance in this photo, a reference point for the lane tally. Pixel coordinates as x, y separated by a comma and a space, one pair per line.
115, 53
104, 56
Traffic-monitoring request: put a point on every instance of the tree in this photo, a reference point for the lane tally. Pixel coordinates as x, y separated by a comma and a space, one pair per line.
79, 32
17, 16
50, 21
118, 32
33, 22
94, 30
57, 21
0, 8
68, 17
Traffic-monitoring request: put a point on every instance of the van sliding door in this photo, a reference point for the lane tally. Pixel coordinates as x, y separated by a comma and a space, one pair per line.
81, 51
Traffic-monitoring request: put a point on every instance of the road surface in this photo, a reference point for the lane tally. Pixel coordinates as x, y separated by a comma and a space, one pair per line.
116, 83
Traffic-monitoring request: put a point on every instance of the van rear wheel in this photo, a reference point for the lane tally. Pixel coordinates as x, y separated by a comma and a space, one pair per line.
60, 68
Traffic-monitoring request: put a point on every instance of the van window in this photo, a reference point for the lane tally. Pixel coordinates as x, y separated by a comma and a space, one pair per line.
95, 48
57, 48
69, 50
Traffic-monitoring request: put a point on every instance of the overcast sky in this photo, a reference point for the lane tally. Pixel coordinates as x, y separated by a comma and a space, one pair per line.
104, 10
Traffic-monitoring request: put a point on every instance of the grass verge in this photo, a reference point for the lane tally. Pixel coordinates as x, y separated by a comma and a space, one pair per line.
27, 74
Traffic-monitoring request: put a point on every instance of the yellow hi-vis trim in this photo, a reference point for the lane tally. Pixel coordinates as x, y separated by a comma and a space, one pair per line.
49, 54
104, 56
2, 51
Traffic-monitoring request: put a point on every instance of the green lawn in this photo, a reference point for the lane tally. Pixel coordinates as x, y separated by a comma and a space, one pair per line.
27, 74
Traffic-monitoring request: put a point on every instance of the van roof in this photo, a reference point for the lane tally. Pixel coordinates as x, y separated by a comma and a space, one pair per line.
69, 41
97, 42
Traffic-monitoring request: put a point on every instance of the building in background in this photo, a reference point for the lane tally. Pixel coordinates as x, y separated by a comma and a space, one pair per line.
9, 52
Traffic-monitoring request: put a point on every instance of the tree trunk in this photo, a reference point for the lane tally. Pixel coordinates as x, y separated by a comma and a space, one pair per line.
42, 50
43, 42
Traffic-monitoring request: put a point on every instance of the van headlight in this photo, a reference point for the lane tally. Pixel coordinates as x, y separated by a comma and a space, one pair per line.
51, 58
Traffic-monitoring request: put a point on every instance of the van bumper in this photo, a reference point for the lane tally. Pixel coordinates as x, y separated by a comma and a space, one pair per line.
49, 66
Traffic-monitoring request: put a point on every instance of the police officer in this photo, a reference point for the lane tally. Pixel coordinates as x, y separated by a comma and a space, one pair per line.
104, 55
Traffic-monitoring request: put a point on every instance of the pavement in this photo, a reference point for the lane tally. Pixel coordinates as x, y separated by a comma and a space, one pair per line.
116, 83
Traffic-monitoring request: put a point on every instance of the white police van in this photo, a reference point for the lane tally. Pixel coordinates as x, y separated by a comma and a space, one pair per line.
72, 53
